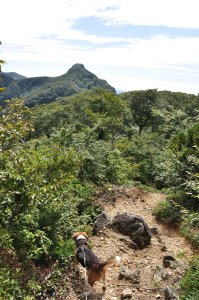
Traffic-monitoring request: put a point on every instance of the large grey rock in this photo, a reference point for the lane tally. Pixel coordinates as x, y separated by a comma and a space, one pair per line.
133, 226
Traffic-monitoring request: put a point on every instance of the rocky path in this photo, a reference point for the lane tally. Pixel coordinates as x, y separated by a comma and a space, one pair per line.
141, 274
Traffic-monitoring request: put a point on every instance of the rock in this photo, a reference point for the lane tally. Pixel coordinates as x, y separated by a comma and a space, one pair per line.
132, 276
129, 243
101, 222
160, 274
154, 231
133, 226
169, 261
163, 248
169, 294
127, 294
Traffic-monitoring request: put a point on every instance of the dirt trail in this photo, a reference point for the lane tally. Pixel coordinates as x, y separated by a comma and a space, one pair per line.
148, 262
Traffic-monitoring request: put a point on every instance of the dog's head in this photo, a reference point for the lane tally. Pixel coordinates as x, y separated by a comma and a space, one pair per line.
80, 235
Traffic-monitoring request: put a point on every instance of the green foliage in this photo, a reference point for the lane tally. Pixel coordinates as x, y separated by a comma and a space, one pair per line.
1, 63
9, 285
35, 197
14, 124
12, 285
190, 228
103, 164
190, 283
53, 156
165, 169
141, 104
42, 202
168, 120
100, 110
177, 169
168, 214
185, 145
174, 111
141, 151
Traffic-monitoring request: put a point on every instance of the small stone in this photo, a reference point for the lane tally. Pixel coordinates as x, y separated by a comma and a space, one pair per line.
158, 296
169, 294
154, 230
163, 248
133, 276
169, 261
127, 294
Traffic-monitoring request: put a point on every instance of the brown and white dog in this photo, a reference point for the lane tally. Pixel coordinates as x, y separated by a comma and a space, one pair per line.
95, 269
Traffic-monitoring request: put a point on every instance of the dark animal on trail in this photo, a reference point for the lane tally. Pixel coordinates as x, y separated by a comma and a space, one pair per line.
95, 270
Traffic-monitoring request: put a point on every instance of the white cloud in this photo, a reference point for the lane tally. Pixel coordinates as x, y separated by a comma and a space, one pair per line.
23, 23
139, 52
172, 13
27, 18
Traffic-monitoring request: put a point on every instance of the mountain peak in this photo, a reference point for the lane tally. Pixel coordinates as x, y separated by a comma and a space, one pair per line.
39, 90
77, 68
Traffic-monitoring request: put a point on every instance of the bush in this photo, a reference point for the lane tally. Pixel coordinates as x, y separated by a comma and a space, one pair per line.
9, 285
190, 283
190, 228
102, 164
167, 214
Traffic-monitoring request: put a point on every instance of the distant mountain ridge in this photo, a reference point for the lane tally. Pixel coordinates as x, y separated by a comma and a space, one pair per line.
38, 90
14, 75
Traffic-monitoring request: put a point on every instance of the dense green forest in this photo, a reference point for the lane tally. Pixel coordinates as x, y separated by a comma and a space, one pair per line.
53, 158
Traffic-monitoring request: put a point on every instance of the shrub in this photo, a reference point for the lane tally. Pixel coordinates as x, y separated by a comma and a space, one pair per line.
9, 285
190, 228
190, 283
166, 213
103, 164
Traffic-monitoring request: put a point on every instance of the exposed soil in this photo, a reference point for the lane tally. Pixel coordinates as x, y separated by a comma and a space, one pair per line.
153, 277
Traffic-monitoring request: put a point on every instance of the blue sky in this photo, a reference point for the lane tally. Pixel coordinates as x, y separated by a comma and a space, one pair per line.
133, 44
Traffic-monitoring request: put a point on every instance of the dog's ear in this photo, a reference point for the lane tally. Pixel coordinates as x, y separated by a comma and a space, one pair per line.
76, 234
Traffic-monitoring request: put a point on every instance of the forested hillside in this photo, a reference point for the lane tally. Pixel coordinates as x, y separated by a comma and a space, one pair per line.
38, 90
54, 157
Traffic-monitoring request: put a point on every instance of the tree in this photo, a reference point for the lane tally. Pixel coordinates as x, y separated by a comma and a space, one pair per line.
141, 104
1, 63
97, 110
14, 124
